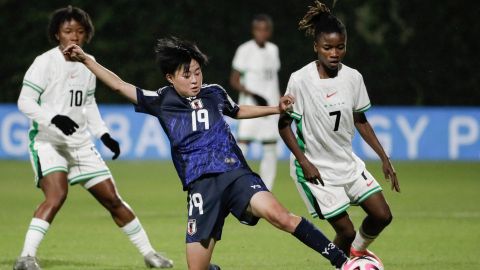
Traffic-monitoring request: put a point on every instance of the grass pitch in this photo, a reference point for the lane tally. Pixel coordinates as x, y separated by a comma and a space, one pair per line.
436, 221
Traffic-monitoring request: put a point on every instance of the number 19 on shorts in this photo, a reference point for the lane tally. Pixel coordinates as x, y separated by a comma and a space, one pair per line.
195, 200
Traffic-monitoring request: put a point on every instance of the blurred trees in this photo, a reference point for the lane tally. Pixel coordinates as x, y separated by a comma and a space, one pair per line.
409, 52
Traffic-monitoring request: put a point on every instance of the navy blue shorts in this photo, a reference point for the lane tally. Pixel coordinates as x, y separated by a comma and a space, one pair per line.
212, 197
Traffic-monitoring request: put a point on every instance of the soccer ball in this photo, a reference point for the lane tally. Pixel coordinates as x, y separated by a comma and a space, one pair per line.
363, 263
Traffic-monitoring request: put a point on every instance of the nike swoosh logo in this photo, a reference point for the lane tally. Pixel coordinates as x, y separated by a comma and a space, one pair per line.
370, 183
332, 94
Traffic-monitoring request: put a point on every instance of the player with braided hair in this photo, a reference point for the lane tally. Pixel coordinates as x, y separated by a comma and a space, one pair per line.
331, 99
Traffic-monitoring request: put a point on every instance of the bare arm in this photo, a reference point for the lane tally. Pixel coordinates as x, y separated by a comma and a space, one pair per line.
367, 133
75, 53
250, 111
310, 172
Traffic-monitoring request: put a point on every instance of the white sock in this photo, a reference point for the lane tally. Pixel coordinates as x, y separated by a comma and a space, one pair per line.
244, 148
268, 165
36, 231
138, 236
362, 240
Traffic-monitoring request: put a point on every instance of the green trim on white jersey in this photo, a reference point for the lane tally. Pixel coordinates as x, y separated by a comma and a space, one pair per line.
336, 212
31, 136
54, 169
32, 133
33, 86
298, 169
306, 190
364, 108
87, 176
295, 115
90, 92
367, 195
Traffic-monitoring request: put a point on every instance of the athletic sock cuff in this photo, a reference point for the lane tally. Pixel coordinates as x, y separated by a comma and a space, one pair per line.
40, 222
39, 225
132, 227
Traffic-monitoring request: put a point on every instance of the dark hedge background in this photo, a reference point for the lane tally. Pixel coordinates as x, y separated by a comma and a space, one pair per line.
409, 52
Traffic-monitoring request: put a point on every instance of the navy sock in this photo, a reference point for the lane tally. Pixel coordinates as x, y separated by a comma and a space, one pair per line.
314, 238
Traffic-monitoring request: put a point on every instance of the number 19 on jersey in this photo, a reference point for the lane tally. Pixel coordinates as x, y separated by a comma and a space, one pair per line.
200, 116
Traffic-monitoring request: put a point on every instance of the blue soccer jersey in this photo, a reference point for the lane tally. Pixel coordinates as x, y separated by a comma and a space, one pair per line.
201, 141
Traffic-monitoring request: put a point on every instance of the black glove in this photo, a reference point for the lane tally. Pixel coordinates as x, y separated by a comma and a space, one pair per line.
111, 144
65, 124
260, 100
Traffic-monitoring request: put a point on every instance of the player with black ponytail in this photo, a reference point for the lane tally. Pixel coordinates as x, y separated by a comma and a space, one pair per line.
331, 99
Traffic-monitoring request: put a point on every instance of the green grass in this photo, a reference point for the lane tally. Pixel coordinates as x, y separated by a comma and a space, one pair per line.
436, 221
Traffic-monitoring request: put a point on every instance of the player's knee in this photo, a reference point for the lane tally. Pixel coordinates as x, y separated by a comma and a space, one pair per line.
56, 201
285, 221
383, 218
387, 219
113, 203
53, 206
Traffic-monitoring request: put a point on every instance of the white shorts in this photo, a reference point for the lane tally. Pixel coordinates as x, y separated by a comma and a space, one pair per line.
331, 200
82, 164
259, 129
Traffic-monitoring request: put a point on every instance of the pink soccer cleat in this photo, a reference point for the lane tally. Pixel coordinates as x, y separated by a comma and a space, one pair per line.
366, 252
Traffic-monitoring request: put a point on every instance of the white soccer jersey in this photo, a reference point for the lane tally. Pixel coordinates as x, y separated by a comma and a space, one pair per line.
323, 112
54, 86
259, 68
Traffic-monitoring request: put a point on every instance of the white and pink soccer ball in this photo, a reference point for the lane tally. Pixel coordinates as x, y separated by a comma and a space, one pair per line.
363, 263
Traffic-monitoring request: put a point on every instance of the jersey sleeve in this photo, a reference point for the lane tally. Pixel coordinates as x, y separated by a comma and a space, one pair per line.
230, 108
36, 78
95, 122
147, 101
361, 101
239, 62
294, 90
34, 84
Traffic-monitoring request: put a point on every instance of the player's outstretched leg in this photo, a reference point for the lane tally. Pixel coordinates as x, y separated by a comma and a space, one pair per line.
55, 189
106, 193
199, 255
264, 205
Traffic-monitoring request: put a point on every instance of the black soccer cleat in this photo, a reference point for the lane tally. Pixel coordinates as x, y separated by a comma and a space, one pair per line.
214, 267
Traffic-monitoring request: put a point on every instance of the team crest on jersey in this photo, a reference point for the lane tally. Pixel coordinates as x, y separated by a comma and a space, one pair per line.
196, 104
192, 227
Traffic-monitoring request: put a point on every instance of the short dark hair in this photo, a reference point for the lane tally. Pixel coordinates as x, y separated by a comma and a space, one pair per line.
174, 53
66, 14
319, 19
263, 18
